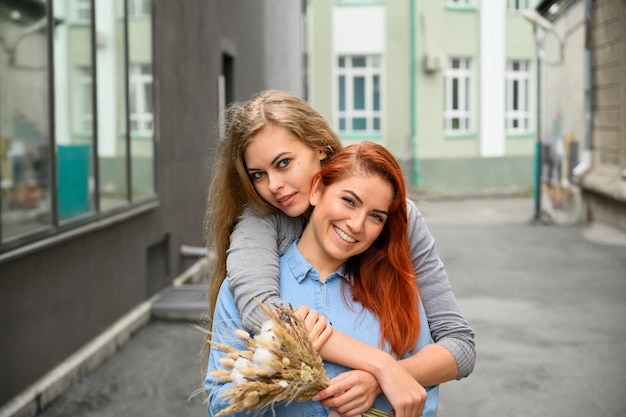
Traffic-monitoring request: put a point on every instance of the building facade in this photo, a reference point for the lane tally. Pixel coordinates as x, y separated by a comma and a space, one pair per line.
584, 134
447, 86
109, 126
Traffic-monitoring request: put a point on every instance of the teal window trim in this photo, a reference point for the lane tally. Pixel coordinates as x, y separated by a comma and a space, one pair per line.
463, 135
361, 136
141, 136
521, 135
82, 135
344, 3
461, 8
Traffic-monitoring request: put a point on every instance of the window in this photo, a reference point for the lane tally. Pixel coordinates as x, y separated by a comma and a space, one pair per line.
83, 99
96, 173
458, 77
82, 11
459, 3
517, 6
358, 106
517, 96
139, 8
141, 119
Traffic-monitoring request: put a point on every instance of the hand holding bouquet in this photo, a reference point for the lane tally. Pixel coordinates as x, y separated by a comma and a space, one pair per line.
278, 365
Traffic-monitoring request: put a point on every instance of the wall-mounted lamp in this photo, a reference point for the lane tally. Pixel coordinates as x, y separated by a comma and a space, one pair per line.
532, 16
537, 20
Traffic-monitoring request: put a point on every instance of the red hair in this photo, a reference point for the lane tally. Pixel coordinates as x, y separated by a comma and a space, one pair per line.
382, 277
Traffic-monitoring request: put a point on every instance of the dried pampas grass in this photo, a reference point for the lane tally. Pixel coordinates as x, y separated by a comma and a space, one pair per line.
279, 365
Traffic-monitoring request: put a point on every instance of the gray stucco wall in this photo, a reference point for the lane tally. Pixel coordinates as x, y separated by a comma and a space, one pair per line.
56, 298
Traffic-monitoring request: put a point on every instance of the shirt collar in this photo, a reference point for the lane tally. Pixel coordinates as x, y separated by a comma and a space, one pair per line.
300, 268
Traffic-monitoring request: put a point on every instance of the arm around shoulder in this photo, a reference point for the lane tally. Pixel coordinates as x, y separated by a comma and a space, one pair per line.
256, 244
448, 326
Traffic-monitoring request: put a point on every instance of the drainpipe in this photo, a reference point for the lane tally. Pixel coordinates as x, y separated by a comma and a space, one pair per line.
534, 18
538, 142
415, 159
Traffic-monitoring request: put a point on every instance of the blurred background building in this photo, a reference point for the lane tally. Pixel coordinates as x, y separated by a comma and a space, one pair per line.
582, 50
109, 123
447, 86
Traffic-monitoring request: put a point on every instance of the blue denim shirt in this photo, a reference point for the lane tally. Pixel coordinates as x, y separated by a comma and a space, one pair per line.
300, 284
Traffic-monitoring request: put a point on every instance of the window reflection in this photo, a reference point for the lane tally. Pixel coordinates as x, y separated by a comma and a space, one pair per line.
112, 129
24, 136
102, 77
141, 107
73, 108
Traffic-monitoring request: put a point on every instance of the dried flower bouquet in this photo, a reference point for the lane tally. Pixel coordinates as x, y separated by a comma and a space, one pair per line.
279, 365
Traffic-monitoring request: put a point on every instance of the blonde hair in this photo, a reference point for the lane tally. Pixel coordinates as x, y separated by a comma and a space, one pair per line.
231, 189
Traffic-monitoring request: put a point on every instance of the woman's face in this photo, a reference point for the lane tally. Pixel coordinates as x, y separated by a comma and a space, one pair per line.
281, 167
348, 217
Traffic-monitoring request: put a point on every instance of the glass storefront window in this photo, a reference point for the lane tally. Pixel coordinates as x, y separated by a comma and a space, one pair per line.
73, 86
140, 101
25, 199
99, 158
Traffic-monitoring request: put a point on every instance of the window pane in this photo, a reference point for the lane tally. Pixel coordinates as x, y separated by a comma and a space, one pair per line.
25, 199
342, 93
358, 62
376, 98
141, 104
376, 123
359, 123
342, 123
73, 113
455, 94
525, 94
359, 93
342, 62
112, 129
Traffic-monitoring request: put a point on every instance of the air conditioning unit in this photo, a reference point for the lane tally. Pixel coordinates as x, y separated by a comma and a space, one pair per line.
433, 62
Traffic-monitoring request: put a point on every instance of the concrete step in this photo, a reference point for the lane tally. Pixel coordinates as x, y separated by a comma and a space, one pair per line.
185, 302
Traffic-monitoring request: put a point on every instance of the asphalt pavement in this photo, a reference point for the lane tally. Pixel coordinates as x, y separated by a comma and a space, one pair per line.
547, 302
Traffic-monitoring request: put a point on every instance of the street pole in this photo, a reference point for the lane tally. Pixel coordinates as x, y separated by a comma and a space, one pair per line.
538, 150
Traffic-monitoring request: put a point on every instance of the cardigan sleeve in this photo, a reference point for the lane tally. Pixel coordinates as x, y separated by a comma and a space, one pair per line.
256, 243
447, 324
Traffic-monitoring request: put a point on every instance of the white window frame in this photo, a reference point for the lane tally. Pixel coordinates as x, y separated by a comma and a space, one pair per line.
83, 104
518, 96
459, 119
517, 6
369, 73
81, 11
139, 8
459, 3
141, 118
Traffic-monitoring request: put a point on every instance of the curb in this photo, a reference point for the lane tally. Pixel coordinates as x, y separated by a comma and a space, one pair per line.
34, 399
80, 364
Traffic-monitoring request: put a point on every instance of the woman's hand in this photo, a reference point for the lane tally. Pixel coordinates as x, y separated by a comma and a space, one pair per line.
319, 330
350, 393
406, 395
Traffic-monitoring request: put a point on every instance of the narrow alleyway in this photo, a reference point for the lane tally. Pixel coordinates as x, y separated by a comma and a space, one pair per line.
547, 304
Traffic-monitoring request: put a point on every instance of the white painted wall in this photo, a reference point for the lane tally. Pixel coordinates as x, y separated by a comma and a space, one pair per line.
358, 30
492, 66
